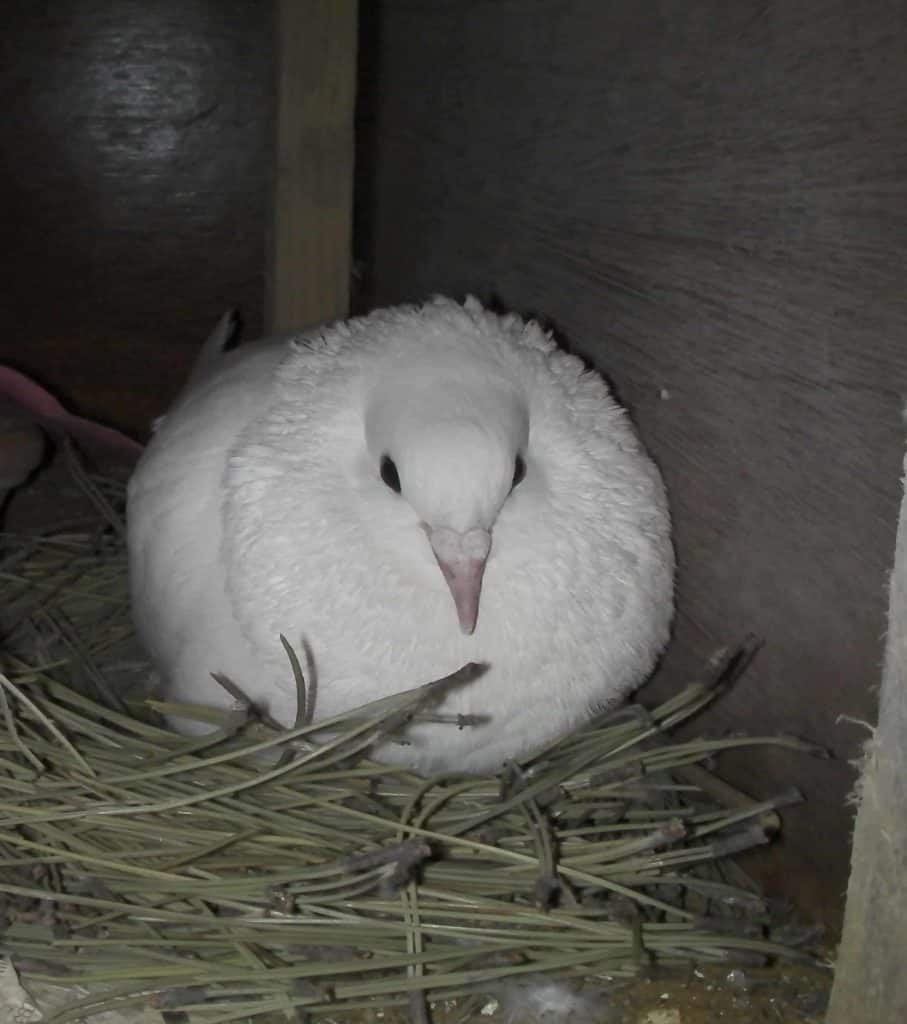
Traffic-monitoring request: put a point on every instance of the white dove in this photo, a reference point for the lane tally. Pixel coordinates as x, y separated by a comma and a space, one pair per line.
398, 495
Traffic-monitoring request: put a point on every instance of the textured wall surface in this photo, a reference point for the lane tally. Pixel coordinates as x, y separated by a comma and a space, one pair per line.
710, 201
135, 172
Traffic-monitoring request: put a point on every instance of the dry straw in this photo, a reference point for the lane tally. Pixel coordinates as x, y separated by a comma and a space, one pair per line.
265, 874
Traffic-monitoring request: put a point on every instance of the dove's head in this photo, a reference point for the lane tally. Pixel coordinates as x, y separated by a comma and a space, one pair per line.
453, 448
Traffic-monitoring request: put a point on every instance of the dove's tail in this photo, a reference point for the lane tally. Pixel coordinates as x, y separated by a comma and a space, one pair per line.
218, 341
216, 345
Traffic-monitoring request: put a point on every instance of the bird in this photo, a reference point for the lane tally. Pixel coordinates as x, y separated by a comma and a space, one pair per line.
398, 495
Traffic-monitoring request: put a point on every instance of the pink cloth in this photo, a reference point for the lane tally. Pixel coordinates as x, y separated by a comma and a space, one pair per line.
24, 397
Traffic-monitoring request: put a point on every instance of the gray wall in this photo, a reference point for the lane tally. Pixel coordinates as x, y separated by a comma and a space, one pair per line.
709, 199
136, 161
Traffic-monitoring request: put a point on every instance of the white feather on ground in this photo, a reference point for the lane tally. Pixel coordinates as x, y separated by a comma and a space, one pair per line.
549, 1000
265, 504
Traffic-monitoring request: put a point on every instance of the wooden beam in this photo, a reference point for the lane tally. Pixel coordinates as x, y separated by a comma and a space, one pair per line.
313, 192
870, 982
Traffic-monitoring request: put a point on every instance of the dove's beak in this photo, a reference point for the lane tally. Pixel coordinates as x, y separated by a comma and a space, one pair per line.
462, 558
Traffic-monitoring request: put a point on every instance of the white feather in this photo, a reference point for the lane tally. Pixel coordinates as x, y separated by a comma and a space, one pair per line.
258, 509
547, 999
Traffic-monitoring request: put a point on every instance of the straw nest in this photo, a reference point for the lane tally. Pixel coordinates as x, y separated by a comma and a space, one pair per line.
259, 874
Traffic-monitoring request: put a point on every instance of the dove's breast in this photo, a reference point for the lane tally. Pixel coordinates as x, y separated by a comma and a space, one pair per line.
257, 510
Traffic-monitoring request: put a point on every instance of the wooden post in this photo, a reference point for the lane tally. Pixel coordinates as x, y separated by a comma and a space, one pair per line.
870, 981
313, 191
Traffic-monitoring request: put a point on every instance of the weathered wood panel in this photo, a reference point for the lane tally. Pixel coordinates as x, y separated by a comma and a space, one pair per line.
870, 983
313, 196
136, 164
710, 201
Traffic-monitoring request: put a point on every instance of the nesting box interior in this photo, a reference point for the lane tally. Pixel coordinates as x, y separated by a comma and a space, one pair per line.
705, 200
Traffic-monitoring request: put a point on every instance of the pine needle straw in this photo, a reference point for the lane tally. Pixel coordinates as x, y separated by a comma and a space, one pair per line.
259, 874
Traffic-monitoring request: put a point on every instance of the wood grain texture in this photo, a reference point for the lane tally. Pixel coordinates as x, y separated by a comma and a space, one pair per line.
313, 195
709, 200
870, 984
135, 171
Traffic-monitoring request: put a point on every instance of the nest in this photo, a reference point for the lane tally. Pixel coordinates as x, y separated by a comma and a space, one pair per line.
264, 874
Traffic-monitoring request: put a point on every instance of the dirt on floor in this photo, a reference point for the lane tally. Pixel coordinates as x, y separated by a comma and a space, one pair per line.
785, 994
714, 995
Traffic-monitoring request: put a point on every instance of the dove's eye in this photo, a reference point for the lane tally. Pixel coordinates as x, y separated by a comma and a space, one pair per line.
389, 473
519, 471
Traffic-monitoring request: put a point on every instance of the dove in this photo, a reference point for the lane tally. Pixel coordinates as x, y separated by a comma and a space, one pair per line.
398, 495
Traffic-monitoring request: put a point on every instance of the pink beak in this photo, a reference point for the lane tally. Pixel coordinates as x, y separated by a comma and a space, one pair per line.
462, 558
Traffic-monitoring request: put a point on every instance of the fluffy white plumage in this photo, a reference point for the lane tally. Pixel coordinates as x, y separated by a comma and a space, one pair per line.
264, 505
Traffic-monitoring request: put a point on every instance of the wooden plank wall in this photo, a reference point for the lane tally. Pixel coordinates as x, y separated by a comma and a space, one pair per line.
710, 201
135, 175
